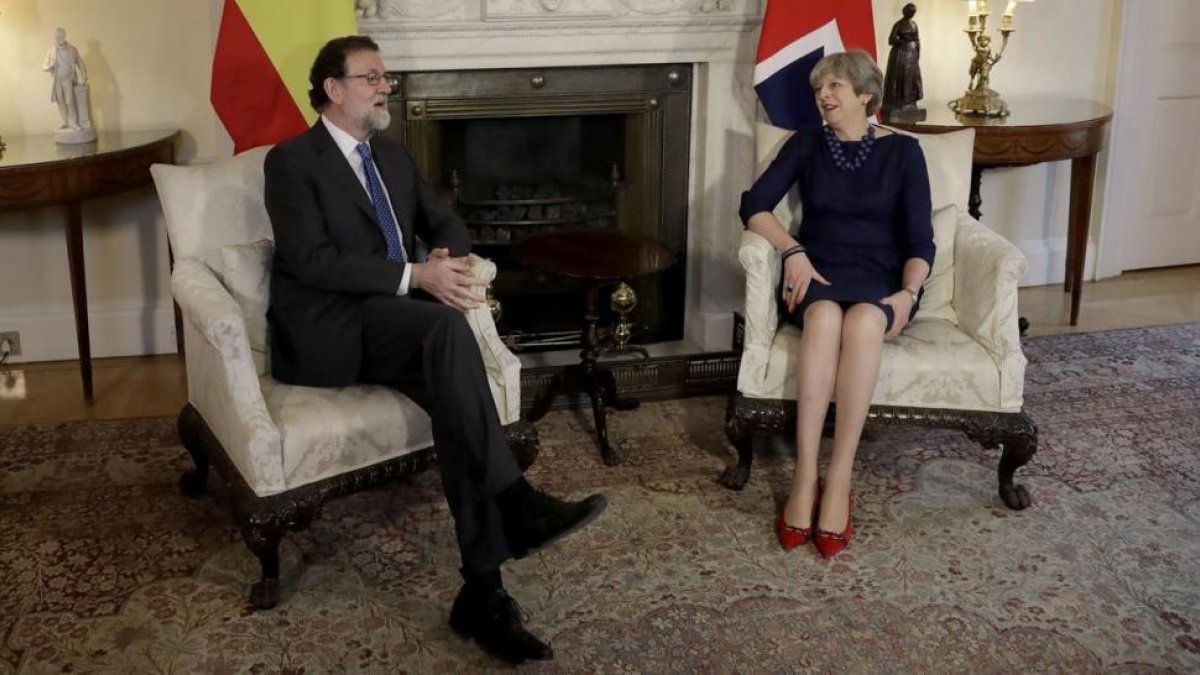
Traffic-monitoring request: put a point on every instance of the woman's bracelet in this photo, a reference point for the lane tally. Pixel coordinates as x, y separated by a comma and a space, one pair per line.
798, 248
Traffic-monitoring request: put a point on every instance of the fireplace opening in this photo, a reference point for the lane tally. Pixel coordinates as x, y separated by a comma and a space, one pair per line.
523, 152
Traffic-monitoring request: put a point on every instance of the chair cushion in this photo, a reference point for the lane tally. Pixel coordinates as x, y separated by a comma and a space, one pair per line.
937, 303
948, 158
209, 206
246, 274
932, 364
329, 431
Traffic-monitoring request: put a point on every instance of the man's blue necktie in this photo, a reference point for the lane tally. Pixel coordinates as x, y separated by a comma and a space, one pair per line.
387, 222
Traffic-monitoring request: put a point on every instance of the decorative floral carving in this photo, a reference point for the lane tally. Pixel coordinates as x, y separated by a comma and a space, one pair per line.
653, 6
548, 8
419, 9
366, 9
661, 7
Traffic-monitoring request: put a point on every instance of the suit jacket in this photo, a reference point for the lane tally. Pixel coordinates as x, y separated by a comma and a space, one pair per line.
330, 253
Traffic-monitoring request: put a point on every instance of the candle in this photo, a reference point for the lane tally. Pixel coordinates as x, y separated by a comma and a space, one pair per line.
1006, 20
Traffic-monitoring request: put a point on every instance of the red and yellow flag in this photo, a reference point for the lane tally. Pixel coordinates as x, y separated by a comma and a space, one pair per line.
260, 67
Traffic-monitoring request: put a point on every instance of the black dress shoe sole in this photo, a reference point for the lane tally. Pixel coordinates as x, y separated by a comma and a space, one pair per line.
598, 505
468, 633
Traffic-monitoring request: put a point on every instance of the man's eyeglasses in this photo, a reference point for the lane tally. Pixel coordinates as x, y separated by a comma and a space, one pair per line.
373, 78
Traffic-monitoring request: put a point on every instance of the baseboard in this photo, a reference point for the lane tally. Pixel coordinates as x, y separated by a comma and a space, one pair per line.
117, 329
1048, 261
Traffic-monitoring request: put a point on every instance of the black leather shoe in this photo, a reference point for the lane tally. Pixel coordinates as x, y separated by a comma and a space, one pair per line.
494, 620
540, 520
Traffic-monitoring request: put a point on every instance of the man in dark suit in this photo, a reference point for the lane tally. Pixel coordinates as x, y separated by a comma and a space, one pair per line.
346, 205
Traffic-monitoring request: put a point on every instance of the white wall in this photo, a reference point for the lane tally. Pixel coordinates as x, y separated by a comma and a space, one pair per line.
1060, 49
149, 65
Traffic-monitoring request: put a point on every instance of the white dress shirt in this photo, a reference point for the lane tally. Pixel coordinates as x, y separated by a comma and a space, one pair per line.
348, 145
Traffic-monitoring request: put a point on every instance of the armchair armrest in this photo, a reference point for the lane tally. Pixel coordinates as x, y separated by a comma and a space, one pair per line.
223, 385
502, 366
762, 265
987, 269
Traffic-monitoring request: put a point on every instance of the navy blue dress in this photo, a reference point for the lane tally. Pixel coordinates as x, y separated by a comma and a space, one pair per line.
859, 226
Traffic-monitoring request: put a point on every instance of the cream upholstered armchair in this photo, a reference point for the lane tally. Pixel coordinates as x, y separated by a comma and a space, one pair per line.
283, 450
958, 364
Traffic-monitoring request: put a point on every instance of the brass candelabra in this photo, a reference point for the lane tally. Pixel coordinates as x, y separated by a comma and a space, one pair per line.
980, 98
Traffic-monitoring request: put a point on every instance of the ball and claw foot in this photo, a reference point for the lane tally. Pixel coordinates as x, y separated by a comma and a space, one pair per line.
265, 594
192, 483
610, 456
735, 477
1015, 497
624, 404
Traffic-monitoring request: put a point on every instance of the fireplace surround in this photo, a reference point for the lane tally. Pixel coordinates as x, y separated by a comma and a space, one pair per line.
524, 151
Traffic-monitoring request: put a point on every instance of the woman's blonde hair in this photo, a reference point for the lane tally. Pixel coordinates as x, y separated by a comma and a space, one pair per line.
858, 68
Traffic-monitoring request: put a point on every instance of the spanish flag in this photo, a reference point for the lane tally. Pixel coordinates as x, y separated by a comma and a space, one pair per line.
260, 67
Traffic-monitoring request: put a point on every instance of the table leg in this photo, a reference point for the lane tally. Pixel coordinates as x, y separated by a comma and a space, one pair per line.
79, 293
593, 381
608, 385
975, 200
591, 377
1083, 171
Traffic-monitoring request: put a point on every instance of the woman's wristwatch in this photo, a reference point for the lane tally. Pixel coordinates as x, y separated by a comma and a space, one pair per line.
915, 295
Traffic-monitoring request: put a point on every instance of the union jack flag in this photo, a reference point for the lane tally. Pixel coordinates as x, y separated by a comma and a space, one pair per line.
795, 35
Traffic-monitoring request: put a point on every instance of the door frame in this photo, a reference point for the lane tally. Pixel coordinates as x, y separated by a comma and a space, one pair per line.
1131, 113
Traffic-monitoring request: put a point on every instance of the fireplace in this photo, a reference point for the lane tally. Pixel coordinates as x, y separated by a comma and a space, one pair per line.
517, 152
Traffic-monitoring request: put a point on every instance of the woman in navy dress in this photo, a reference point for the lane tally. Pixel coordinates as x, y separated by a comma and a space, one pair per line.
852, 276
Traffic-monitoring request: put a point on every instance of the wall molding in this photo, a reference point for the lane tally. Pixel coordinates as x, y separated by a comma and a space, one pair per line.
117, 329
1048, 260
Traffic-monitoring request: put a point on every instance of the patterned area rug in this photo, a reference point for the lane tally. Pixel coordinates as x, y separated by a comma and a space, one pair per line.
105, 567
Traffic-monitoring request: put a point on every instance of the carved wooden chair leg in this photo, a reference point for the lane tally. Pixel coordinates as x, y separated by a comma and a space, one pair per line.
740, 437
193, 482
1020, 444
1017, 433
522, 439
263, 541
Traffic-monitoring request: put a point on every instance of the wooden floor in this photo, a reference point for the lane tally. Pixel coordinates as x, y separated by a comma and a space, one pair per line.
156, 385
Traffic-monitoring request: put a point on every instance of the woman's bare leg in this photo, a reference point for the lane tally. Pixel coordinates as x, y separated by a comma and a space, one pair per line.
858, 370
816, 368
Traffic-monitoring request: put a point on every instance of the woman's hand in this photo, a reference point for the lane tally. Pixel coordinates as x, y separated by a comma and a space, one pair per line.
901, 303
798, 273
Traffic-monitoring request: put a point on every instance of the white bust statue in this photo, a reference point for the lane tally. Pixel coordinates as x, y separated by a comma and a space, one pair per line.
69, 90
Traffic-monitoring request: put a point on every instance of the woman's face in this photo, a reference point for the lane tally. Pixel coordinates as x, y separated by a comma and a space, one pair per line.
838, 103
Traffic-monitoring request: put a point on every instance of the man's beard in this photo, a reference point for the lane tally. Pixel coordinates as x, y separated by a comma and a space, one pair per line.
378, 119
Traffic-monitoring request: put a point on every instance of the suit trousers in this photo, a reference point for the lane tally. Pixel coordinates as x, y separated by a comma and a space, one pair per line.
426, 350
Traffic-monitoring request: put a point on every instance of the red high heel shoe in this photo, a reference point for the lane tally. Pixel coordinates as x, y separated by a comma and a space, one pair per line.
792, 537
830, 544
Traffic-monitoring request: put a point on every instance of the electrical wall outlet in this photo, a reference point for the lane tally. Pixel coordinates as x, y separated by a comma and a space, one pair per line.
13, 339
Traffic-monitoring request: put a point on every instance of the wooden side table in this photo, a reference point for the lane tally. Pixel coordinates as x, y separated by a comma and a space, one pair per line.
1036, 131
35, 172
595, 258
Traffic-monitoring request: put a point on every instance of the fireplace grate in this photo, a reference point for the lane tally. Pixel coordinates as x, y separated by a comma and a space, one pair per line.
511, 211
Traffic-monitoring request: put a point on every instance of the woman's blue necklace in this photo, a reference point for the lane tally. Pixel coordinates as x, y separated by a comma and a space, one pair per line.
857, 157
